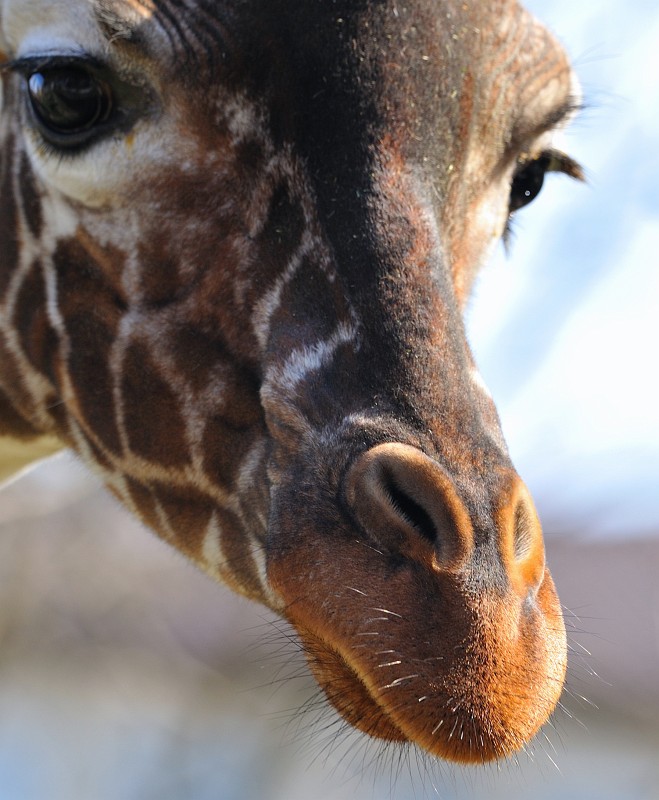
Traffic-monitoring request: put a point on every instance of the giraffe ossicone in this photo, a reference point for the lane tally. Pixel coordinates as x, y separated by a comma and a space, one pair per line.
236, 240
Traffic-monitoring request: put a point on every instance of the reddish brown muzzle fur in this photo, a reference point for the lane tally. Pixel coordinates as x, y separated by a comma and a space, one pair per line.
432, 640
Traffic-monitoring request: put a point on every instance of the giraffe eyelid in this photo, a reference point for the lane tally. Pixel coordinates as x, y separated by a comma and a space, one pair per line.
555, 161
26, 65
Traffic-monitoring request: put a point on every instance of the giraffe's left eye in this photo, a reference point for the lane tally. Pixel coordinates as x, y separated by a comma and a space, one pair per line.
69, 103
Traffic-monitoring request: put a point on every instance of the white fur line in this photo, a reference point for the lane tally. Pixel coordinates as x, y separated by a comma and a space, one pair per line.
307, 359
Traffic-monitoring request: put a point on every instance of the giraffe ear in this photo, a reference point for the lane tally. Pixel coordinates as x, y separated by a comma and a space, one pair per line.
17, 455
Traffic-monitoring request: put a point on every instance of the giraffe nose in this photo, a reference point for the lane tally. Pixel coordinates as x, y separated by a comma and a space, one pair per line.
408, 503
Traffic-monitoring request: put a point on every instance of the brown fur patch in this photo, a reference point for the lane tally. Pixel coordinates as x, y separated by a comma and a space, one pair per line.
14, 388
198, 356
11, 422
153, 415
226, 443
88, 366
9, 226
159, 278
92, 308
238, 552
276, 242
31, 200
38, 339
188, 512
145, 502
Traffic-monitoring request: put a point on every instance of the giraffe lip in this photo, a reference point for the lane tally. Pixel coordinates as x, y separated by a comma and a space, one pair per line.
473, 725
476, 707
347, 692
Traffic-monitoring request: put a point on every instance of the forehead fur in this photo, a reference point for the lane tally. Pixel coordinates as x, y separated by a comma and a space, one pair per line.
120, 19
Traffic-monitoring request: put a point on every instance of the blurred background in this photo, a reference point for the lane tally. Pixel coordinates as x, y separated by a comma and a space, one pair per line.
125, 675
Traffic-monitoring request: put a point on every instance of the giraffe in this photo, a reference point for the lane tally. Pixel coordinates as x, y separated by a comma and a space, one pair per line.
236, 243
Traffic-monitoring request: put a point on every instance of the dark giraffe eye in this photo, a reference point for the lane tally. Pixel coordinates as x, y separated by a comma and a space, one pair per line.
530, 174
69, 103
527, 182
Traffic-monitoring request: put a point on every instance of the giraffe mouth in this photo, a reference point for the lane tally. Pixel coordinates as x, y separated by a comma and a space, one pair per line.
347, 691
475, 709
467, 676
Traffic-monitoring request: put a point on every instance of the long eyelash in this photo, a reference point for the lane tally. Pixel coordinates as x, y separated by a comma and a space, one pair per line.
558, 161
508, 235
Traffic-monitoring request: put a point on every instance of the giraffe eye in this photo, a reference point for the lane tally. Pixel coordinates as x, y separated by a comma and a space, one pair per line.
530, 174
68, 103
527, 182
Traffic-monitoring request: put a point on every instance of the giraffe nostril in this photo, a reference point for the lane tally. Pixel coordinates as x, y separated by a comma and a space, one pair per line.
411, 511
405, 501
524, 526
521, 529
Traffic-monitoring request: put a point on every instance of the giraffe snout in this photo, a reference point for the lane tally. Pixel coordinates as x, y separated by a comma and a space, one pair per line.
432, 610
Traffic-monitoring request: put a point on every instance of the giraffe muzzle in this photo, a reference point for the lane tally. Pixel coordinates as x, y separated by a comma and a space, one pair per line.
421, 627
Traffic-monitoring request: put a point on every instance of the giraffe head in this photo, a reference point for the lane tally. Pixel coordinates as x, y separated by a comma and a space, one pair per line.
236, 240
